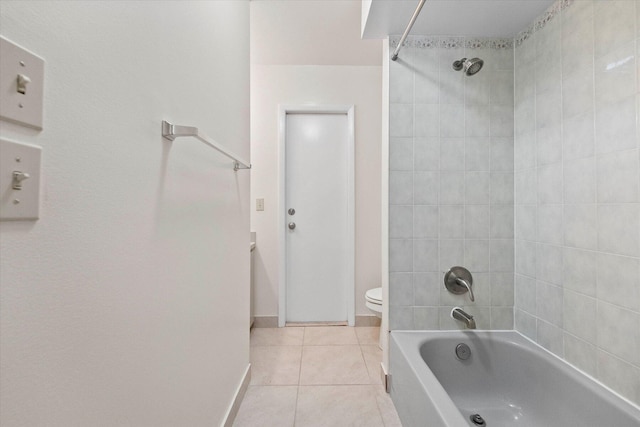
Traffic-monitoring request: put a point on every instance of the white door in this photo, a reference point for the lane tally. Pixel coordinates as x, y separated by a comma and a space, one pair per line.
318, 210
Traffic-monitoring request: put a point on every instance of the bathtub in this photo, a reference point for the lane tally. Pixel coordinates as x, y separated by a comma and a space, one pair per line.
507, 380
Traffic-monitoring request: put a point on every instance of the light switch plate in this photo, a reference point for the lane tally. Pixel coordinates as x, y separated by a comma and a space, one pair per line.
259, 204
23, 204
22, 108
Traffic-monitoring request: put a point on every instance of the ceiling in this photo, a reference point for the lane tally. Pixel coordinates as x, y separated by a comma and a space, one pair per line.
471, 18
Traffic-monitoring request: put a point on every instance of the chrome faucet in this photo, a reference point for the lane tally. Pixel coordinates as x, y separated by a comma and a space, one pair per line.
459, 314
458, 280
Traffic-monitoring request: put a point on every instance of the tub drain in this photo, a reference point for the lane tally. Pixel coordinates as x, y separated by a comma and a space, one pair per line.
477, 420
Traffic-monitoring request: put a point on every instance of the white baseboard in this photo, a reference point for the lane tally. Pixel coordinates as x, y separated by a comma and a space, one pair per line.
237, 400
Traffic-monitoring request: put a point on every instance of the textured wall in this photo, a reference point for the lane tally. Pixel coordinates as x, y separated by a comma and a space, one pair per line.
127, 302
450, 182
577, 179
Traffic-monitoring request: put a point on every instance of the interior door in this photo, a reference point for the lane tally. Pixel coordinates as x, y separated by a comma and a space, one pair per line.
317, 204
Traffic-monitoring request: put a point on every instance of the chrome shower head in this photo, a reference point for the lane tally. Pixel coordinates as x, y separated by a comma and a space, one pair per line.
468, 66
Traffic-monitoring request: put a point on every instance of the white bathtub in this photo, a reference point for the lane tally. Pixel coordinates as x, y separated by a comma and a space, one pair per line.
507, 380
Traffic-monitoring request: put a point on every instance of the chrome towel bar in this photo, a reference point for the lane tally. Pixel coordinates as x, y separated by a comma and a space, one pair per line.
171, 132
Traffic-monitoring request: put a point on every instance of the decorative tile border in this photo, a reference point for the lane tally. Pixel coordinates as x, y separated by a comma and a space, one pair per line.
541, 21
448, 42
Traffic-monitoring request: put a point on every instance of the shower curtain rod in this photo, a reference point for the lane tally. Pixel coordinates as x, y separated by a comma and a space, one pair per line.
406, 32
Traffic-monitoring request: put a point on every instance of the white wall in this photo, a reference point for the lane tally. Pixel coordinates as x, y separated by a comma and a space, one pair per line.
577, 171
127, 302
310, 52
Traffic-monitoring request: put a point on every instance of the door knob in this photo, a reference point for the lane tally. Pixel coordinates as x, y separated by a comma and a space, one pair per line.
291, 211
292, 225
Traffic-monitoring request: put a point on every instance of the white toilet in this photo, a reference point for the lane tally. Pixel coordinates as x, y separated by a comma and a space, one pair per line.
373, 301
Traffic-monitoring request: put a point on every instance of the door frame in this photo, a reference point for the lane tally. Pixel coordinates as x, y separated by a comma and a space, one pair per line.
347, 110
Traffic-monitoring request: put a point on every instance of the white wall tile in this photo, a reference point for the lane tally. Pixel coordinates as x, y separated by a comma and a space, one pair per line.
502, 221
502, 154
452, 154
401, 155
400, 222
579, 316
425, 255
549, 145
400, 188
549, 303
501, 318
550, 184
425, 221
618, 332
451, 253
549, 264
502, 184
581, 354
401, 120
502, 117
578, 137
618, 229
580, 227
525, 323
614, 24
426, 288
619, 375
579, 270
526, 258
400, 255
550, 224
502, 255
400, 289
477, 187
477, 221
426, 154
451, 120
477, 154
451, 188
580, 180
550, 337
476, 255
618, 280
427, 118
615, 74
451, 221
526, 222
525, 151
577, 92
616, 126
426, 186
618, 177
526, 187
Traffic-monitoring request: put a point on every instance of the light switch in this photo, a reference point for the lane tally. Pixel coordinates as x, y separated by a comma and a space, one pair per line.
259, 204
21, 85
19, 181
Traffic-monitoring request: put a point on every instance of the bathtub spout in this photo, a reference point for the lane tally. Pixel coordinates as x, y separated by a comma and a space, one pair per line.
459, 314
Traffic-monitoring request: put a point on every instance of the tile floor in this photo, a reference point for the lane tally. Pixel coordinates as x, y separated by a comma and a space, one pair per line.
316, 376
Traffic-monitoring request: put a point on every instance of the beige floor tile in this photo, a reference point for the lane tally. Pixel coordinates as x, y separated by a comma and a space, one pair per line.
387, 409
341, 405
267, 406
372, 359
333, 364
275, 365
277, 336
368, 335
330, 335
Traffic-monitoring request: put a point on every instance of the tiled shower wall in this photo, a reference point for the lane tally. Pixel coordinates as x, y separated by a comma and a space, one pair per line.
577, 188
451, 182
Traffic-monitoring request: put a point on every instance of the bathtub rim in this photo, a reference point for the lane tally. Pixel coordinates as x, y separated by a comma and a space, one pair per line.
434, 389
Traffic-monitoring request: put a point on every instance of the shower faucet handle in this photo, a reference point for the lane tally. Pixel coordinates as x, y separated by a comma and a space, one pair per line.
458, 280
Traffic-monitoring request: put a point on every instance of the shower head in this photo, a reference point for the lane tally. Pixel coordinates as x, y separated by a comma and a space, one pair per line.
468, 66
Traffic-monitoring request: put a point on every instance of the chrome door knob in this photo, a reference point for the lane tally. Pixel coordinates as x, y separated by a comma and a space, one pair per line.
292, 225
291, 211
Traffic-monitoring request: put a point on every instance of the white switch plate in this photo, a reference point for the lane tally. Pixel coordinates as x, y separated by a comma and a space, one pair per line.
259, 204
21, 204
24, 109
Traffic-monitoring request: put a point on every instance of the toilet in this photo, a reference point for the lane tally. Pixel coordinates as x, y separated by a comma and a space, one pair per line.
373, 301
